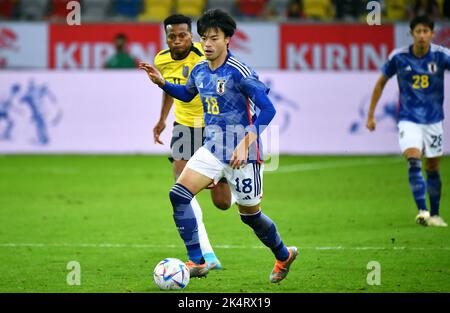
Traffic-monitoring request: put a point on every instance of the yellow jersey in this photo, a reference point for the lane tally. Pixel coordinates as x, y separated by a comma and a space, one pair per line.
177, 71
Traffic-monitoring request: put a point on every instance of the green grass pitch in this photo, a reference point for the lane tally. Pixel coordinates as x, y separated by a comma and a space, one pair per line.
113, 216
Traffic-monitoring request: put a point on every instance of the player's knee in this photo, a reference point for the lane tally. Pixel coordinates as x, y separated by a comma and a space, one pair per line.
413, 153
222, 204
221, 195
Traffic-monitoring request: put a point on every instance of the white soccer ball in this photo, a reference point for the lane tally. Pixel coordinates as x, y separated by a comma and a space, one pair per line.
171, 273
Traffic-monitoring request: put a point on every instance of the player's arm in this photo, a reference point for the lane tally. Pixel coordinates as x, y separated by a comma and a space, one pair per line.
389, 69
376, 94
177, 91
167, 102
257, 92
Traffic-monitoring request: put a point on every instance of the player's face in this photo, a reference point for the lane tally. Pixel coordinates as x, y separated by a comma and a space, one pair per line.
178, 39
422, 35
214, 43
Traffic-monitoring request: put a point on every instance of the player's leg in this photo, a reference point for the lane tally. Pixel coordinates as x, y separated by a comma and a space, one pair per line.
221, 195
434, 188
246, 184
434, 184
205, 245
184, 143
411, 143
200, 171
187, 186
433, 153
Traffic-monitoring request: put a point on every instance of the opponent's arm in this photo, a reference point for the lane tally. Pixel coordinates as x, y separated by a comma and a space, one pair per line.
167, 102
376, 94
177, 91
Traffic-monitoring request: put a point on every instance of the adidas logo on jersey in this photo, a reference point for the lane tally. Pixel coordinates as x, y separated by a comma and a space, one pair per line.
247, 198
408, 68
201, 85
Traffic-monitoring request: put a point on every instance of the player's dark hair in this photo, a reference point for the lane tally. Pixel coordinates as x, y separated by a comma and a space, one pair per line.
216, 18
177, 19
421, 19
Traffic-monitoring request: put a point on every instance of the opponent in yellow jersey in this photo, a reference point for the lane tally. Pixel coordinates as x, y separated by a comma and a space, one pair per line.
176, 64
177, 71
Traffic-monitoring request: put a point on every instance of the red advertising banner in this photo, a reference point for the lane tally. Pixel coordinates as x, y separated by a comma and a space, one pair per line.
90, 46
338, 47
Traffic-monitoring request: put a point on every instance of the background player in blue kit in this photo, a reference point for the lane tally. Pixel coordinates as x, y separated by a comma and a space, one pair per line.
230, 93
420, 71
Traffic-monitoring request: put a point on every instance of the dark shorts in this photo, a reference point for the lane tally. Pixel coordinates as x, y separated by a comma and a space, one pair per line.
185, 141
184, 144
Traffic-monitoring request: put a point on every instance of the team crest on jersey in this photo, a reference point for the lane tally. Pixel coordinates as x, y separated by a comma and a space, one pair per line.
185, 71
432, 67
220, 86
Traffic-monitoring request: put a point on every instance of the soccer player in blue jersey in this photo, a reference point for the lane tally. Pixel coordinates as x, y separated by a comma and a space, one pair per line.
420, 71
175, 64
230, 92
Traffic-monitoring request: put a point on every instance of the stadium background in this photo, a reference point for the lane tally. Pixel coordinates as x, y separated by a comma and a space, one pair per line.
66, 115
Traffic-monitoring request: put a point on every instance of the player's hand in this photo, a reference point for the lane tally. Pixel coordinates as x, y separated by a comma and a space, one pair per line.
240, 154
370, 123
154, 75
157, 130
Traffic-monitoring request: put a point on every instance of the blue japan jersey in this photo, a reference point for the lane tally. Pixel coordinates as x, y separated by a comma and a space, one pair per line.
421, 83
229, 94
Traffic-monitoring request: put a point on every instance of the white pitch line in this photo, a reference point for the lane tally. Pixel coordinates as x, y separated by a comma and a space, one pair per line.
303, 167
147, 246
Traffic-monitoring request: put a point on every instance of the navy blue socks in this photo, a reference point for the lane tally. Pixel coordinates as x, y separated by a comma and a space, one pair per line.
184, 217
417, 183
266, 231
434, 186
